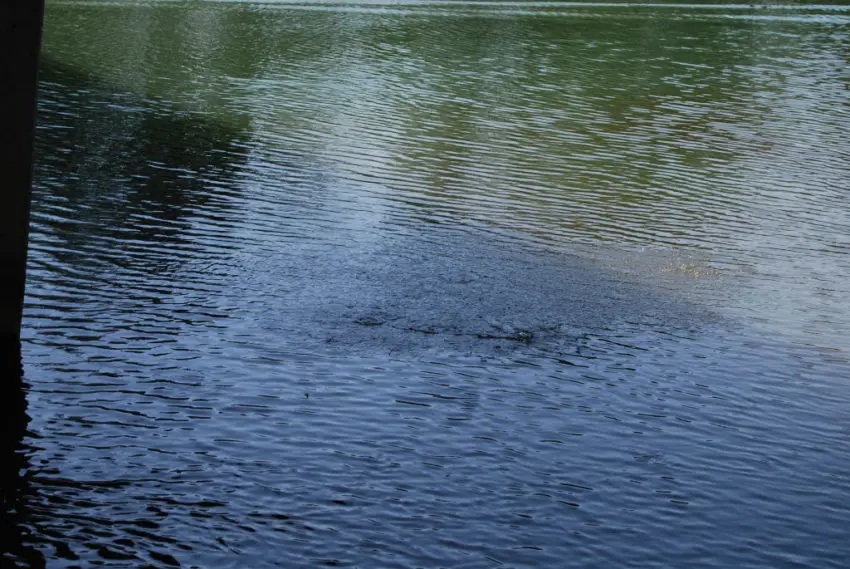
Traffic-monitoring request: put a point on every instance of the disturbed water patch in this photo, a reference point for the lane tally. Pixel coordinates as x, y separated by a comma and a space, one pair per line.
455, 291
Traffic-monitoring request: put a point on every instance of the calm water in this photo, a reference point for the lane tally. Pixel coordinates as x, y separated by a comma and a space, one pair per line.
437, 284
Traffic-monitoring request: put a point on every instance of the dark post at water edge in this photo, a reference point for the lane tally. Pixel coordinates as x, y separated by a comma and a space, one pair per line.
20, 42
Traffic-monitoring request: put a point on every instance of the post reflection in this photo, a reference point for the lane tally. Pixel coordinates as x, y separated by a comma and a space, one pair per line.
15, 489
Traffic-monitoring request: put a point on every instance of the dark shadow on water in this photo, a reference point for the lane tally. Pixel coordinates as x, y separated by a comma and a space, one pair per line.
129, 190
15, 488
120, 177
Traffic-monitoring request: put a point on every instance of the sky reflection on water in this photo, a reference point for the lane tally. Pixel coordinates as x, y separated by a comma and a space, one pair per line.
428, 287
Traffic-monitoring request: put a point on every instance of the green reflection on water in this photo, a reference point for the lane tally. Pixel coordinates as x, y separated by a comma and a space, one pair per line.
711, 128
629, 106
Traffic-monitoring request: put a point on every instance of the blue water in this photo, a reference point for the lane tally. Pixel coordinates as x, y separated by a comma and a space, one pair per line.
445, 285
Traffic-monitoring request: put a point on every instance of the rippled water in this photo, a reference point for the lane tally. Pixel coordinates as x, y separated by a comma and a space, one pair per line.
444, 284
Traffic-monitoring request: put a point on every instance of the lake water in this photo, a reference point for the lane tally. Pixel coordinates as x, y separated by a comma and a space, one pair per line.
437, 284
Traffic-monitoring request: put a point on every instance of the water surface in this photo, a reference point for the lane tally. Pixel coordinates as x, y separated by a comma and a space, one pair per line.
444, 284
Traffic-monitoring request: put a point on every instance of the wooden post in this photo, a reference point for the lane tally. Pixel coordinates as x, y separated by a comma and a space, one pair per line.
20, 43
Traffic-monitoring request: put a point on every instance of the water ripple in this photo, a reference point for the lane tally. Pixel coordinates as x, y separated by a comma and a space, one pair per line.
458, 284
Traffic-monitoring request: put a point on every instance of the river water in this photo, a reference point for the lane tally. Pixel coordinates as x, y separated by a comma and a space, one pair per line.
437, 284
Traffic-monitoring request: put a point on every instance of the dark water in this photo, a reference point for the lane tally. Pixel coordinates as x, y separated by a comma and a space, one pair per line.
441, 284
